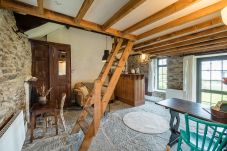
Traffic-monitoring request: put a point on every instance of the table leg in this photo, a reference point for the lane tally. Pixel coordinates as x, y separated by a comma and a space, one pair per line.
56, 123
174, 126
32, 128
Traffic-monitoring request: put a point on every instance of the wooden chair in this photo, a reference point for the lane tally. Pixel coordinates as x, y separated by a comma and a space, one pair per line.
60, 114
205, 136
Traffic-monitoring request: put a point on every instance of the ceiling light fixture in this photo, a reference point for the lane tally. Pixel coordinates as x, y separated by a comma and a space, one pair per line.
106, 53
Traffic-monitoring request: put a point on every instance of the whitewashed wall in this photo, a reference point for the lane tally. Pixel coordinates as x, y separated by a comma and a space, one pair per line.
86, 51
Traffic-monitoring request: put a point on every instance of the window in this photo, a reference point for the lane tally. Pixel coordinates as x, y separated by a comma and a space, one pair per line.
162, 74
209, 80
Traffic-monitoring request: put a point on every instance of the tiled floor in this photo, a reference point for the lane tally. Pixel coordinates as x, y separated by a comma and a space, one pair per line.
113, 135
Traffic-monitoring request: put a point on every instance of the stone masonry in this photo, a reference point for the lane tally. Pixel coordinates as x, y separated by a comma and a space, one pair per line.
134, 62
175, 73
15, 65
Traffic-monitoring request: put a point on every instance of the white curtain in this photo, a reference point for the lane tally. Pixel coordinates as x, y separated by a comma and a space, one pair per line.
189, 78
151, 75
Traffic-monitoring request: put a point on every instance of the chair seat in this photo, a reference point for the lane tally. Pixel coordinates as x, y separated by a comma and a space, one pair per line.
192, 141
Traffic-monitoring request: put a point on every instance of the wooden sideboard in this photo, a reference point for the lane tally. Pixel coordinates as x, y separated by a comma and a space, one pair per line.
130, 89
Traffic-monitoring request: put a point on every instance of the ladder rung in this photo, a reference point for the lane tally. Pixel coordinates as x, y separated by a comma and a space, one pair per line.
90, 110
76, 129
84, 126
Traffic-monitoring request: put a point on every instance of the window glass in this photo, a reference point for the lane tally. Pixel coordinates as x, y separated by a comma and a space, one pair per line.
62, 63
210, 76
162, 74
216, 65
206, 65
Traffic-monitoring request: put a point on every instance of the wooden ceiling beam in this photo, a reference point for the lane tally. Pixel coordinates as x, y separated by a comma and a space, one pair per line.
40, 6
177, 6
61, 18
125, 10
189, 42
205, 33
182, 20
194, 46
83, 10
186, 31
214, 48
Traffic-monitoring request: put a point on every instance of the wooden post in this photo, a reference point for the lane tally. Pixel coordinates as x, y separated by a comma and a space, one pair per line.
40, 6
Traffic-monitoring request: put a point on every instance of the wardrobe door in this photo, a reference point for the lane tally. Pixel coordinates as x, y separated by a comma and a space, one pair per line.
60, 72
40, 64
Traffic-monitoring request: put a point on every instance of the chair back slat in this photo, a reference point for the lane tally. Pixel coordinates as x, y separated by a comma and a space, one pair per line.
205, 134
224, 142
219, 140
197, 133
62, 101
212, 138
187, 126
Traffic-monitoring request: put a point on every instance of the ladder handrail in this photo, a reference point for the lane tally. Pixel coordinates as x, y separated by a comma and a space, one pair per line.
97, 105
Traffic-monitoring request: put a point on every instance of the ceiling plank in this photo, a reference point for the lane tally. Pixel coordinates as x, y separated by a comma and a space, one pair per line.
179, 5
182, 20
125, 10
214, 48
201, 34
186, 31
61, 18
40, 6
190, 42
193, 46
83, 10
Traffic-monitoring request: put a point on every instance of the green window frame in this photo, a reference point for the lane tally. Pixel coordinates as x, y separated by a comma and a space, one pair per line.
162, 74
210, 73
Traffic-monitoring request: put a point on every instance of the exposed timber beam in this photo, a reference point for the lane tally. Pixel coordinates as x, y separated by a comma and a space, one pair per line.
205, 33
83, 10
40, 6
177, 6
125, 10
186, 31
182, 20
60, 18
189, 42
214, 48
192, 47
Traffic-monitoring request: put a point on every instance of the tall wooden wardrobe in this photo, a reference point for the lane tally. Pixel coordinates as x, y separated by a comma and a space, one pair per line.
51, 64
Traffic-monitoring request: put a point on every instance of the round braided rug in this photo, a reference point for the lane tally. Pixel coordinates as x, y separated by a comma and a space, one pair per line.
146, 122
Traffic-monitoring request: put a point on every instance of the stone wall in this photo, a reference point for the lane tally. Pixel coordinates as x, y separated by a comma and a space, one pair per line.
134, 62
175, 73
15, 65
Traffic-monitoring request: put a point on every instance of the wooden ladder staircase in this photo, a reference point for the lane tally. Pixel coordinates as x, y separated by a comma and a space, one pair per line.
96, 104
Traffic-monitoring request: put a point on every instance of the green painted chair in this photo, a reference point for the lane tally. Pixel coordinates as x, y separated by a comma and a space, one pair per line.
202, 135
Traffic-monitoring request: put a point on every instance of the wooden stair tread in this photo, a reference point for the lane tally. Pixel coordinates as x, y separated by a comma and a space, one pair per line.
75, 129
84, 126
90, 110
